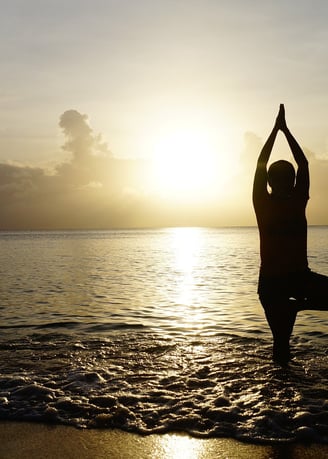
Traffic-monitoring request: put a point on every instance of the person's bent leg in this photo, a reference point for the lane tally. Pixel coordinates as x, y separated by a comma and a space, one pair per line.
316, 292
281, 315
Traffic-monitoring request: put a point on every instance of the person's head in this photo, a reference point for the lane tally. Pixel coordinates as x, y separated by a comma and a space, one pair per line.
281, 177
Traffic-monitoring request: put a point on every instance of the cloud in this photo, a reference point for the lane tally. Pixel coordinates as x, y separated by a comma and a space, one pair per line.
92, 186
87, 191
81, 141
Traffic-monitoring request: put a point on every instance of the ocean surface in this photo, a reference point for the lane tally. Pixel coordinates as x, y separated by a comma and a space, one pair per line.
153, 331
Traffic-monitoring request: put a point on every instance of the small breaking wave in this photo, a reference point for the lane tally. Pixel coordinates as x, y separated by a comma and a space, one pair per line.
209, 387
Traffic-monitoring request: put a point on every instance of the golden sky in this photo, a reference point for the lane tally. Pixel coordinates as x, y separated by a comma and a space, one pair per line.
152, 113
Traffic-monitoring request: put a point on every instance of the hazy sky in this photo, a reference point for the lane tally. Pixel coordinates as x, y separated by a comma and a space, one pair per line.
198, 81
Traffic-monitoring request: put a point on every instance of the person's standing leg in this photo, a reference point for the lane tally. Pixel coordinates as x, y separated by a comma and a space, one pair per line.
280, 314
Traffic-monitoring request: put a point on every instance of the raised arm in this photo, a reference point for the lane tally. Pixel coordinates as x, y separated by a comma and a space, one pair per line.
302, 177
296, 150
260, 178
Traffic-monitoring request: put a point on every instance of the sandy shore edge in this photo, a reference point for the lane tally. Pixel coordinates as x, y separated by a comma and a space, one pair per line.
31, 440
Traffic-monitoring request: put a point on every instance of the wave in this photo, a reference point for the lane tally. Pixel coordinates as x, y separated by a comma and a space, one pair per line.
147, 383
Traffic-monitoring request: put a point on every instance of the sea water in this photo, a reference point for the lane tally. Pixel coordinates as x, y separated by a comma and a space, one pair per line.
153, 331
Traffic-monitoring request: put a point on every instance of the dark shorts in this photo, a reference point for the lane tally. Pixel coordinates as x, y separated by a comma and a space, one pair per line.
309, 289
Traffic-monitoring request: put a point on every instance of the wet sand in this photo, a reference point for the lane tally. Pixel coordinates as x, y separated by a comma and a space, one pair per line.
39, 441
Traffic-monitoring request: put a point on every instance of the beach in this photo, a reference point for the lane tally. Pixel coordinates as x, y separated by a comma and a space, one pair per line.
30, 440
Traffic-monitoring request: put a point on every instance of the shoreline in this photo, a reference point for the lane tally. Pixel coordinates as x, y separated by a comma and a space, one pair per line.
26, 440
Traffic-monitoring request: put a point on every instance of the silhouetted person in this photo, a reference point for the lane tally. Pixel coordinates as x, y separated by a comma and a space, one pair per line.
286, 284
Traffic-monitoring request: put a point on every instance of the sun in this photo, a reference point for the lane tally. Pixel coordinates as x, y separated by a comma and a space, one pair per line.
189, 162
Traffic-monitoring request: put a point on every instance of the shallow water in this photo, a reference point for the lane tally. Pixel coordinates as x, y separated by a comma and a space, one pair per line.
155, 331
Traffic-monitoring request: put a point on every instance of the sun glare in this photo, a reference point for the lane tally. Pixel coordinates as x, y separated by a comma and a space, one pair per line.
188, 162
182, 447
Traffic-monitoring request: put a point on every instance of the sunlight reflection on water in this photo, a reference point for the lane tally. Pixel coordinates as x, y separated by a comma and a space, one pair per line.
190, 280
187, 246
181, 447
175, 280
